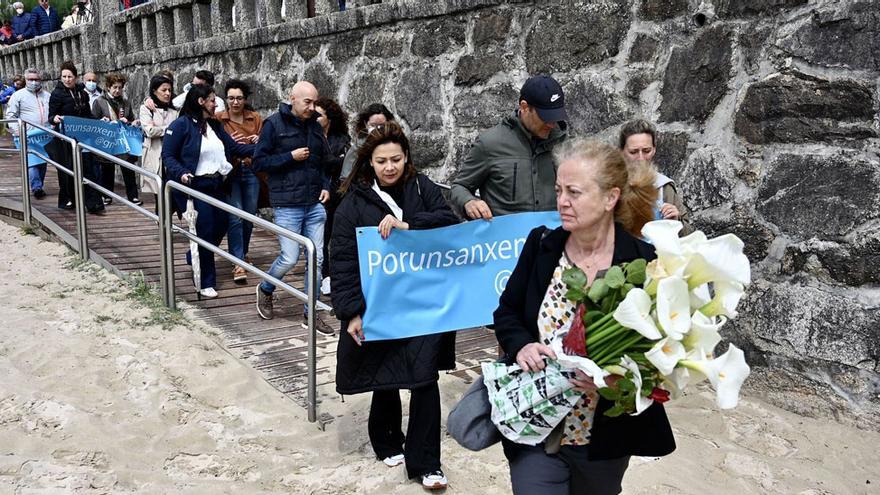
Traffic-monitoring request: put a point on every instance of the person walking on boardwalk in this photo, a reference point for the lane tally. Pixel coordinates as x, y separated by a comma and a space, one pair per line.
31, 104
70, 99
153, 123
196, 152
112, 106
293, 151
385, 190
512, 164
244, 125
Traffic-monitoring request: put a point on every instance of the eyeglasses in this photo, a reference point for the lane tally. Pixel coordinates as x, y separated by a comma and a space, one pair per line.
235, 98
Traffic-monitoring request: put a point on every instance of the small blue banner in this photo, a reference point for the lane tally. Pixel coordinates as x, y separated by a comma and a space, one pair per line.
113, 138
37, 140
421, 282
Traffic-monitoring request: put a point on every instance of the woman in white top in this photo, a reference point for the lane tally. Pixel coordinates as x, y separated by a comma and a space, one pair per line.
196, 152
154, 122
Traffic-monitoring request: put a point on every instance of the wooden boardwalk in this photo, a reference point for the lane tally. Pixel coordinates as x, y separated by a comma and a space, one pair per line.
128, 243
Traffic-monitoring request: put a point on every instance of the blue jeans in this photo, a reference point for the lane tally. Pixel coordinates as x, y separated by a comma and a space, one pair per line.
36, 175
304, 220
243, 194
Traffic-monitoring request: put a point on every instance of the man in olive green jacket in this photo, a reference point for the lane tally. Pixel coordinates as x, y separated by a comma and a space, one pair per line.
512, 164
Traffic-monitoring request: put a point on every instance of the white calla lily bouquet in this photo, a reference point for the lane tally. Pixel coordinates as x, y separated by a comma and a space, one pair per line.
659, 339
644, 332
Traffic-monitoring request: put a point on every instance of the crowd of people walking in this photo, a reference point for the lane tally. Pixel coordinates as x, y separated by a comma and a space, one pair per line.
323, 183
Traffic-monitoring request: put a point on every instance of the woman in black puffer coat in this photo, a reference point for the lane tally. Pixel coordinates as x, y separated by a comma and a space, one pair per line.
384, 367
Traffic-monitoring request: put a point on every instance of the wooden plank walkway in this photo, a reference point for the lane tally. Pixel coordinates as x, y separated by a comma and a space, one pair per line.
277, 348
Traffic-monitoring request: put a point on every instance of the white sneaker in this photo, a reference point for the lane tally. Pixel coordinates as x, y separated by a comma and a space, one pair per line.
395, 460
434, 481
325, 286
208, 293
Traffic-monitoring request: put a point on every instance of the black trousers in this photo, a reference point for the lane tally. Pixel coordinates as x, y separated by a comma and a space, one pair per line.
421, 445
108, 178
62, 153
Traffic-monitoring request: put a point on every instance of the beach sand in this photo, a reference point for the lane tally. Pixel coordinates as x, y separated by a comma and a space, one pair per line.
100, 392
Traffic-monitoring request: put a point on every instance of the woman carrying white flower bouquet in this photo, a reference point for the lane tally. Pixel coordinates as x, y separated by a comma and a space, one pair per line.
603, 210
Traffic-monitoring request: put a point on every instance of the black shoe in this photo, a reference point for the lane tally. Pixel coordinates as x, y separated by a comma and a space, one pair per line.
108, 201
97, 211
39, 193
136, 201
67, 206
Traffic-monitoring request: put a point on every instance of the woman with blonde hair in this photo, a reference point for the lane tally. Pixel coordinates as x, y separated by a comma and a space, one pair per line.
603, 209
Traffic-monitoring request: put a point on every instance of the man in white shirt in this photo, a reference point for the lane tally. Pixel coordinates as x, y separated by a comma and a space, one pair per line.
31, 104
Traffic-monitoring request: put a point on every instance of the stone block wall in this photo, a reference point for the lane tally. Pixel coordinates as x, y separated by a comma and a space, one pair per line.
768, 113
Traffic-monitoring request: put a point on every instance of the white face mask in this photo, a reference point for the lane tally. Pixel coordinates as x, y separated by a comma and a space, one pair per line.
20, 11
34, 86
91, 86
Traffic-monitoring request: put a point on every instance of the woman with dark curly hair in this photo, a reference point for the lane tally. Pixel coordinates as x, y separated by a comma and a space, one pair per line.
373, 115
334, 121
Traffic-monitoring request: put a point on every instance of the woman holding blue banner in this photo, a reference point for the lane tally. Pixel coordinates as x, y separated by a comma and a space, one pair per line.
112, 106
196, 152
70, 99
385, 190
602, 208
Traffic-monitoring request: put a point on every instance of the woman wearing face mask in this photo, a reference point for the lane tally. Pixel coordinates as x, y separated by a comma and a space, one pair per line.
196, 152
24, 24
384, 189
370, 117
112, 106
69, 99
154, 122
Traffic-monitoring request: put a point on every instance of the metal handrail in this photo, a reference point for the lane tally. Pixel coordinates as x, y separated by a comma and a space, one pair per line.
165, 275
310, 298
167, 229
78, 193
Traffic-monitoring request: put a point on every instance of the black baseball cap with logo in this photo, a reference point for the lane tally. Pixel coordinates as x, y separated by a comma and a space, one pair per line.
545, 95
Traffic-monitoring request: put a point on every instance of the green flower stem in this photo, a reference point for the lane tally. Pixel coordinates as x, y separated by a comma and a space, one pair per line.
597, 336
601, 321
620, 350
608, 347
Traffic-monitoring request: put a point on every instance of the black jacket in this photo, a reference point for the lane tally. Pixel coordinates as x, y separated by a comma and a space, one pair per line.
389, 364
516, 324
292, 183
73, 102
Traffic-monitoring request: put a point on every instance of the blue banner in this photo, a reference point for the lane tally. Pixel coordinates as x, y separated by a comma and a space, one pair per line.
37, 140
113, 138
420, 282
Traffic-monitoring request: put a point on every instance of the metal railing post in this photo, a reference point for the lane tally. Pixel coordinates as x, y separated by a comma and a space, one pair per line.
25, 179
168, 247
311, 282
166, 275
79, 192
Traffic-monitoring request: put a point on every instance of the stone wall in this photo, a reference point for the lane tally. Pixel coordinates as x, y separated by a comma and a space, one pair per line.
768, 111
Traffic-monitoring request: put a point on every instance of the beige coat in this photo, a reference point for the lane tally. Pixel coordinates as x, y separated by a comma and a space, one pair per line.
154, 124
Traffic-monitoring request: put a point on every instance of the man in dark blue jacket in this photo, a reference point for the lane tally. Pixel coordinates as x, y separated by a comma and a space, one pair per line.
47, 18
293, 151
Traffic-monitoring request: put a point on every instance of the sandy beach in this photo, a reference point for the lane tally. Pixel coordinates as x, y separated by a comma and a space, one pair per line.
102, 392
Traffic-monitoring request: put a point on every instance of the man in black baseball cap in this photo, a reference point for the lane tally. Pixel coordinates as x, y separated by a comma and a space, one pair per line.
545, 96
512, 163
